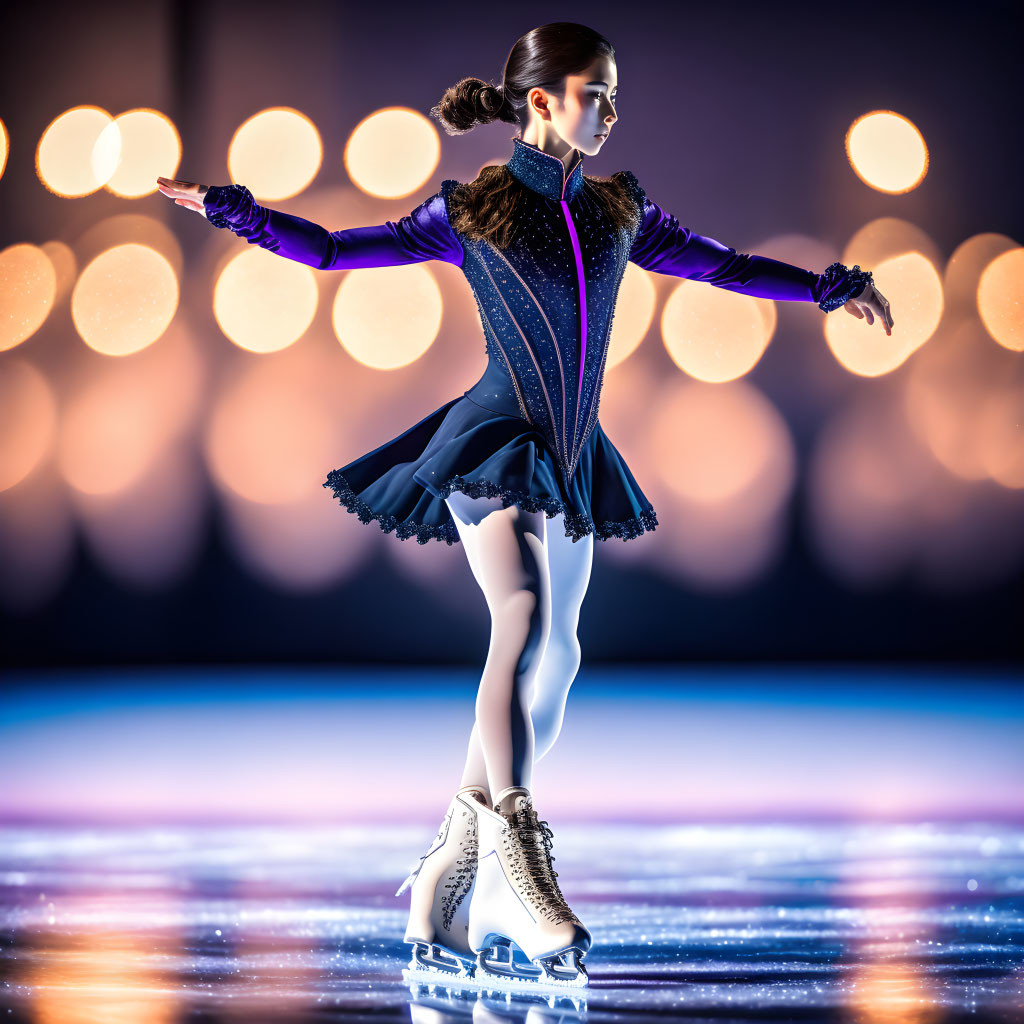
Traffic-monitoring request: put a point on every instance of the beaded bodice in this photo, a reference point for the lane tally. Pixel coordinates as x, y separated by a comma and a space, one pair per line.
546, 301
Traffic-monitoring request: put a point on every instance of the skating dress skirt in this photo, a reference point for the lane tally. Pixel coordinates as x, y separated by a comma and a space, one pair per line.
528, 431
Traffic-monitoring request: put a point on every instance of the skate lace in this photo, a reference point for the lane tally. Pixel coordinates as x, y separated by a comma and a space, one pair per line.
533, 839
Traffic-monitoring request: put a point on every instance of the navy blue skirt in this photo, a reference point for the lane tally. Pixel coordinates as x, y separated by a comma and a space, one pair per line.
489, 450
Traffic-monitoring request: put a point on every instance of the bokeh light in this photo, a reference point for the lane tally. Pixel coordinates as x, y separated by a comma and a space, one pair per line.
387, 317
28, 420
633, 314
65, 267
269, 437
79, 151
262, 302
948, 399
124, 299
887, 151
150, 146
5, 147
965, 266
714, 334
724, 468
391, 153
28, 290
1001, 299
121, 414
276, 152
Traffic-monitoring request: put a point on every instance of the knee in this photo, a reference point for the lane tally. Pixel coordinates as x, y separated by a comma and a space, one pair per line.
564, 641
518, 627
519, 614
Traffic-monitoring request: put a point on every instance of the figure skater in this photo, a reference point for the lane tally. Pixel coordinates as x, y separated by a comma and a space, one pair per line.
518, 468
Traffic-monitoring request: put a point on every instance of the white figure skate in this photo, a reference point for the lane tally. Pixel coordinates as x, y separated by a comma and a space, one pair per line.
516, 899
440, 886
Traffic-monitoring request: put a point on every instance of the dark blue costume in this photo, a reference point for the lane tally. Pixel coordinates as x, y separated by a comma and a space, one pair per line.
528, 431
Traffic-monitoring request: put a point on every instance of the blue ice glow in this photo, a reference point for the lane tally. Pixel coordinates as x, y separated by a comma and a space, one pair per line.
646, 744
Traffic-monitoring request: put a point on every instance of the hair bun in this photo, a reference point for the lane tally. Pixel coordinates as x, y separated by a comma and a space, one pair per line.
491, 98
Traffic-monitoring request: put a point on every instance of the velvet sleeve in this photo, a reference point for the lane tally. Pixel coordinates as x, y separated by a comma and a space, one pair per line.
663, 245
423, 234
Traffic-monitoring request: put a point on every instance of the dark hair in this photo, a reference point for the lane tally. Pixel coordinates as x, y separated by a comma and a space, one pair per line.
485, 208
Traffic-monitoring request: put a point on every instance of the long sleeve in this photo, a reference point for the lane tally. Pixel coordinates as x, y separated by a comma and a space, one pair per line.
663, 245
423, 234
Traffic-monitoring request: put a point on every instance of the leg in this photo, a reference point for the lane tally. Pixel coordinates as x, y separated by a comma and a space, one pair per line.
569, 567
505, 549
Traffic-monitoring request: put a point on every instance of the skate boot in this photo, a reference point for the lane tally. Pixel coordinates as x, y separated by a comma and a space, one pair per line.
440, 886
516, 899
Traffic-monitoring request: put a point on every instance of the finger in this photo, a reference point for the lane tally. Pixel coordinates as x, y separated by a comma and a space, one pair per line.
855, 311
883, 303
869, 314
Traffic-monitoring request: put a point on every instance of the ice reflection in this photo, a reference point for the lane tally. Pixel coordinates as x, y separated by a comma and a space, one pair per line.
907, 924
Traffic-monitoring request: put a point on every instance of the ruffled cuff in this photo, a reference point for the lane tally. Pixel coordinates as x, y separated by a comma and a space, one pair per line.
838, 284
228, 206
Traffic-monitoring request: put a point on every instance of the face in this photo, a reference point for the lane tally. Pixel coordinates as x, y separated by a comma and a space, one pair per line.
587, 111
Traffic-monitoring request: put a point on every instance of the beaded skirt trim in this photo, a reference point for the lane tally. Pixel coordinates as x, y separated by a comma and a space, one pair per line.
577, 526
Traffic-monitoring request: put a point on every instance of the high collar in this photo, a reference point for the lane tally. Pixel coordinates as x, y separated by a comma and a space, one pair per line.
544, 173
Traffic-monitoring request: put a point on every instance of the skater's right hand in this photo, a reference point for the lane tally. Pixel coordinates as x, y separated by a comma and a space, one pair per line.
184, 193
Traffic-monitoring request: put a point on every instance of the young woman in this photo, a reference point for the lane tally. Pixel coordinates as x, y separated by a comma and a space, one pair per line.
518, 468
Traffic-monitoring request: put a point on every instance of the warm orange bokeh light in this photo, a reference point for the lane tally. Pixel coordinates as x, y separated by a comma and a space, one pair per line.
269, 438
955, 402
713, 334
28, 290
124, 299
122, 414
887, 151
1001, 299
387, 317
391, 153
722, 444
5, 147
276, 153
79, 151
28, 420
150, 146
264, 303
633, 314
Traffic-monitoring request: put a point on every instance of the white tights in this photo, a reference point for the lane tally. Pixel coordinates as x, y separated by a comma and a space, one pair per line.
534, 579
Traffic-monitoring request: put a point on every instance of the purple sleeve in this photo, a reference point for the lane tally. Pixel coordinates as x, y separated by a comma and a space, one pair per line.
423, 234
663, 245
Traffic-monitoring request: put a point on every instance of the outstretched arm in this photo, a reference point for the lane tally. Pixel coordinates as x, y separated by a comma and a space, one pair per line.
663, 245
423, 234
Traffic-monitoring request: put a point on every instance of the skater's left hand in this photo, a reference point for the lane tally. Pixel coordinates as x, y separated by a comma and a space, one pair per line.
184, 193
870, 303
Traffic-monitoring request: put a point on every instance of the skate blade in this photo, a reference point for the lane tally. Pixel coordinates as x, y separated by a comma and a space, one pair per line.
432, 961
561, 972
459, 992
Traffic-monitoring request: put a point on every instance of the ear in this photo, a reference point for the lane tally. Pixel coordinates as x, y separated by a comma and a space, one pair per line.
537, 100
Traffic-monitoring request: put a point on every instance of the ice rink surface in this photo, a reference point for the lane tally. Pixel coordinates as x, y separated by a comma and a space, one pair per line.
883, 923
